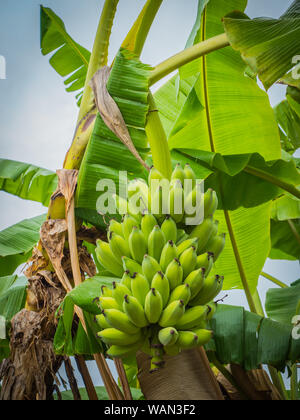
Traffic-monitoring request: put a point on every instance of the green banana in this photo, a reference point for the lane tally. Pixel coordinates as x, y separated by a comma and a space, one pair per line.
216, 245
150, 267
135, 312
120, 352
101, 321
188, 261
119, 291
176, 201
138, 191
112, 336
211, 288
213, 308
106, 291
193, 202
187, 244
169, 228
154, 174
161, 284
121, 204
114, 227
178, 174
204, 336
203, 233
140, 287
127, 225
182, 292
107, 259
190, 174
109, 303
119, 246
153, 306
210, 202
168, 336
126, 280
195, 280
147, 224
156, 242
192, 317
172, 314
117, 319
174, 274
187, 340
205, 261
137, 244
131, 266
168, 254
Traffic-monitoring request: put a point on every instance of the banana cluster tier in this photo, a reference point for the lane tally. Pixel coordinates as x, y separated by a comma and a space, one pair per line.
165, 283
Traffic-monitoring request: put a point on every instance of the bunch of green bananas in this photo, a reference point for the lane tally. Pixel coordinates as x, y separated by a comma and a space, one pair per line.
162, 302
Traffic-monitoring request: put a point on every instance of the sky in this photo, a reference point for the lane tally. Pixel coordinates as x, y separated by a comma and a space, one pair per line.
37, 117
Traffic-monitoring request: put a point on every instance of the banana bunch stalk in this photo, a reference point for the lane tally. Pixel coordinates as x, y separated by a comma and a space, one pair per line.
164, 290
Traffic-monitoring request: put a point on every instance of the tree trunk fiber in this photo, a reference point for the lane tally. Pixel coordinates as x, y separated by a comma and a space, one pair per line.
187, 376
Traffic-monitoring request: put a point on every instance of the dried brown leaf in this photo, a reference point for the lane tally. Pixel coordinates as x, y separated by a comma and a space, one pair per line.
110, 112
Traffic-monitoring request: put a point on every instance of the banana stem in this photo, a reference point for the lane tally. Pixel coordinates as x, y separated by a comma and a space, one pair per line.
158, 141
137, 36
273, 180
99, 54
188, 55
273, 280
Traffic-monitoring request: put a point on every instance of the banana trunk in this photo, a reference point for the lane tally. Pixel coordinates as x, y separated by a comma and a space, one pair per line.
186, 376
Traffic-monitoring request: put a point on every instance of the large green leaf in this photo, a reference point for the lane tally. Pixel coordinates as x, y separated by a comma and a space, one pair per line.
106, 155
17, 242
12, 300
27, 181
250, 340
239, 173
267, 45
68, 58
282, 304
230, 115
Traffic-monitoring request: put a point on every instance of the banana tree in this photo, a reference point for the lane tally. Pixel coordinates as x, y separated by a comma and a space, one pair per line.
212, 116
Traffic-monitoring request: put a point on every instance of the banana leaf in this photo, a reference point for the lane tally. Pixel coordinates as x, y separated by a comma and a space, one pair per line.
250, 172
282, 304
249, 340
231, 116
267, 45
27, 181
106, 155
68, 58
12, 300
285, 218
17, 243
71, 339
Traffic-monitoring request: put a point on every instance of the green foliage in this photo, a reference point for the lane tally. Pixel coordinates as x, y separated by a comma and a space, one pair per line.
68, 57
267, 45
249, 340
282, 304
27, 181
12, 300
17, 242
106, 155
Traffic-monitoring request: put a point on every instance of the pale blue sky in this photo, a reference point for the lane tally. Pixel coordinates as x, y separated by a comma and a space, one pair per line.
37, 116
